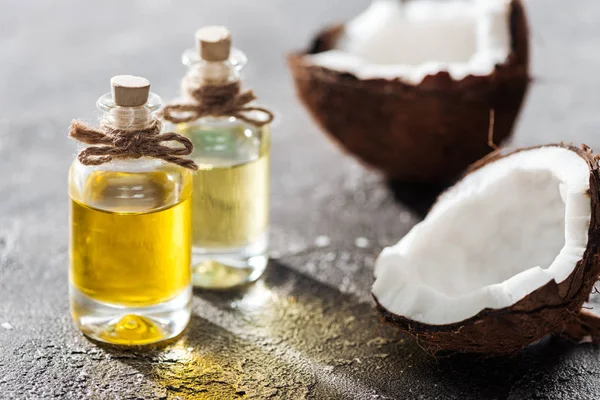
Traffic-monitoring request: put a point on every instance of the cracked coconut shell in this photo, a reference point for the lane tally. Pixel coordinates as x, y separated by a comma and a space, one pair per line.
428, 131
523, 304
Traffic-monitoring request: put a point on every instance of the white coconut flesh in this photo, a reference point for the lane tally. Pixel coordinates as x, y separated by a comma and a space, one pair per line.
410, 40
499, 234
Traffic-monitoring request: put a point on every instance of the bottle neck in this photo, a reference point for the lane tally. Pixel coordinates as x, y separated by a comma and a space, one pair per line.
128, 118
206, 73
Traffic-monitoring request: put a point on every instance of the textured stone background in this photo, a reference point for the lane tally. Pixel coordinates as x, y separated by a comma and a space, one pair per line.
308, 330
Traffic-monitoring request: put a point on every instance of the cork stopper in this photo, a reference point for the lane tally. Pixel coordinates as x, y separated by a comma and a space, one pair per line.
213, 43
129, 91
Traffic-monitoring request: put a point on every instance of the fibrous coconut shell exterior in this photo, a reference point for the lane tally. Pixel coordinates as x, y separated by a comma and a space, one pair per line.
553, 308
425, 133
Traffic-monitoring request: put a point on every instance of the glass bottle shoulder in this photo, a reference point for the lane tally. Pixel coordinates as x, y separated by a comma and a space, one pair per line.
130, 186
225, 141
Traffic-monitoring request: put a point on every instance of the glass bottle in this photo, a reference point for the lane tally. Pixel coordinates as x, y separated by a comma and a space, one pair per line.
130, 234
231, 186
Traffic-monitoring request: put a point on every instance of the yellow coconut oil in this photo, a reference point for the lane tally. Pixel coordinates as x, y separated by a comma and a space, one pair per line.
230, 202
111, 238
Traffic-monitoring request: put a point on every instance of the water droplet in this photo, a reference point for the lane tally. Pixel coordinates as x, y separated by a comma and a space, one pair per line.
322, 241
405, 217
361, 242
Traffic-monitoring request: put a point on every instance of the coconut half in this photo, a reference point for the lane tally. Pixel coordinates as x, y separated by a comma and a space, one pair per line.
408, 86
506, 256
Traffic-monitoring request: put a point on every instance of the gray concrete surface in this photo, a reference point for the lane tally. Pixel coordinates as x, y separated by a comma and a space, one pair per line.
308, 329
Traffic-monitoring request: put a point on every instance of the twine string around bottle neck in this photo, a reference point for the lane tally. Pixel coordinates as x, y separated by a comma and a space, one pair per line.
109, 143
217, 100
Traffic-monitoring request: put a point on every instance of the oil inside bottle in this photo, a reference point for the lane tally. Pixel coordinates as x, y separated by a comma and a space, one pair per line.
130, 249
230, 201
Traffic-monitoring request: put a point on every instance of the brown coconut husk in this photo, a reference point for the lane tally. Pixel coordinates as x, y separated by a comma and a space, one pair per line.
553, 308
425, 133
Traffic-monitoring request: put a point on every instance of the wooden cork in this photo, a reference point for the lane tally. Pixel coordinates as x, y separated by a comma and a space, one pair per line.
213, 43
129, 91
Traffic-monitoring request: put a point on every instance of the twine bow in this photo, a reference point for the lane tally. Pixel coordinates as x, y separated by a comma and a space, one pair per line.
217, 100
117, 143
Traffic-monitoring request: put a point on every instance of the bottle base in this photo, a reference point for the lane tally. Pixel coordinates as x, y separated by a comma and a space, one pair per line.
228, 268
131, 326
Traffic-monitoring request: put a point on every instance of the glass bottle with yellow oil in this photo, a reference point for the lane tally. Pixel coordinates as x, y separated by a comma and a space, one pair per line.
130, 222
231, 147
